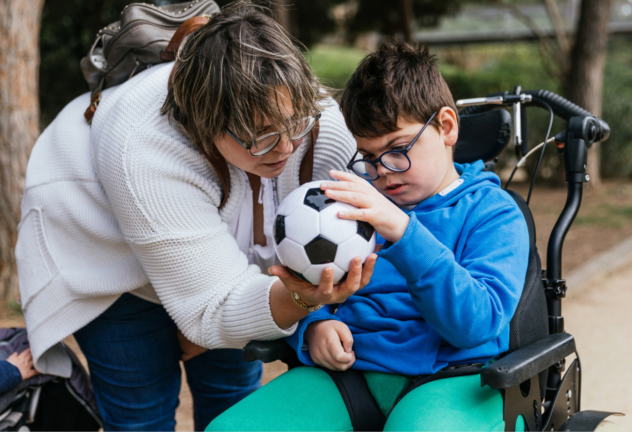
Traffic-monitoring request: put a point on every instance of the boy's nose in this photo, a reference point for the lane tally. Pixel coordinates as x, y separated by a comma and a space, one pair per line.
382, 170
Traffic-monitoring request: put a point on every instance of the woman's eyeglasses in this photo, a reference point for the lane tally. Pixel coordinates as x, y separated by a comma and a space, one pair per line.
265, 143
394, 160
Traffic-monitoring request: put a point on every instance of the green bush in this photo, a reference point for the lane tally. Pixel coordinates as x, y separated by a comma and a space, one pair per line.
334, 64
616, 153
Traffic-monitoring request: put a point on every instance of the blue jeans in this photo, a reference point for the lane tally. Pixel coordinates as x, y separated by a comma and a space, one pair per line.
134, 359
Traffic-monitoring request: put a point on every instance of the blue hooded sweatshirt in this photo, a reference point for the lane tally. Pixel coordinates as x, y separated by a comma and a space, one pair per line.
444, 294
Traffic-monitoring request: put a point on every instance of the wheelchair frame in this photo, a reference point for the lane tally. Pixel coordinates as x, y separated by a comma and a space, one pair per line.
516, 374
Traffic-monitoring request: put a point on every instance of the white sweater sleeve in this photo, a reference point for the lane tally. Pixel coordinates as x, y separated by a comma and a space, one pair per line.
166, 203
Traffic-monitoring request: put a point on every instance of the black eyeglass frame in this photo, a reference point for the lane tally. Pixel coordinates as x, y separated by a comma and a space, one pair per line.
403, 152
250, 146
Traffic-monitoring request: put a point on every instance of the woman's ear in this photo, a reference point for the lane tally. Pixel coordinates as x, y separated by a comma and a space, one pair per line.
449, 126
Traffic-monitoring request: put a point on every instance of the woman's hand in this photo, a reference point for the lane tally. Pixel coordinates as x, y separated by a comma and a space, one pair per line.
24, 363
188, 349
330, 344
374, 208
326, 292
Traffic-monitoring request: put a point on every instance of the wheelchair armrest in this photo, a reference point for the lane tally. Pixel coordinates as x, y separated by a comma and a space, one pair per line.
266, 351
528, 361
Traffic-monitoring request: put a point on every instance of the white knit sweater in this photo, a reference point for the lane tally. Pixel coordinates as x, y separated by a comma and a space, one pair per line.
130, 202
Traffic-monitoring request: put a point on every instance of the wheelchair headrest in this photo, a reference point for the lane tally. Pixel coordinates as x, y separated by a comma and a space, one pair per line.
482, 136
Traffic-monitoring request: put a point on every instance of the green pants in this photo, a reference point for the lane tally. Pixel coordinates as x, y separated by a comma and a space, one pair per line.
307, 399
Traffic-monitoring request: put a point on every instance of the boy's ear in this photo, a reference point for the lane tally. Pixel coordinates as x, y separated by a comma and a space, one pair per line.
449, 126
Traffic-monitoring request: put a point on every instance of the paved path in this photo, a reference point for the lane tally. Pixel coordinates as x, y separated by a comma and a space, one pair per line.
600, 318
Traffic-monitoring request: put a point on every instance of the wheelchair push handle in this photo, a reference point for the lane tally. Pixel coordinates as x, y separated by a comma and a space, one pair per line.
562, 107
566, 109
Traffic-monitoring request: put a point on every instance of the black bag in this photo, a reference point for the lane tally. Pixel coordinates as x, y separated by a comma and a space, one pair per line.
46, 402
139, 40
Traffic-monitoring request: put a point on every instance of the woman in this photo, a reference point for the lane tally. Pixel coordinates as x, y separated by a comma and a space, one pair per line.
164, 221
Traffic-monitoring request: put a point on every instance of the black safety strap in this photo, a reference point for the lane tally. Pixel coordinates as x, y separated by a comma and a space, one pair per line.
448, 372
364, 412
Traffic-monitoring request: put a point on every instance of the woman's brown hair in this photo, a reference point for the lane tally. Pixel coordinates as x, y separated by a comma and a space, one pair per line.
229, 72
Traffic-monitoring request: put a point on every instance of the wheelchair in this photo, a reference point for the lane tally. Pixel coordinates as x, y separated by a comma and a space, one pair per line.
532, 375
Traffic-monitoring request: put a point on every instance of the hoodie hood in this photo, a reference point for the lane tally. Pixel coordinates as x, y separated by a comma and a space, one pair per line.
471, 179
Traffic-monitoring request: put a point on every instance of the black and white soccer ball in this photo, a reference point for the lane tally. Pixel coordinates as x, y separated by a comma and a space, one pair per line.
309, 236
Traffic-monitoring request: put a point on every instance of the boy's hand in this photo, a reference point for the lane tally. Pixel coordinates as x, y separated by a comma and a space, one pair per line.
24, 362
374, 208
326, 292
188, 348
330, 344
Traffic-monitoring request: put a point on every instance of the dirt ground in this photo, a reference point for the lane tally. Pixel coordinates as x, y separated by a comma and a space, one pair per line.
599, 319
604, 219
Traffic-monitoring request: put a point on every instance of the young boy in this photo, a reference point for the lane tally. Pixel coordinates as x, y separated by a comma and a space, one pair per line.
448, 281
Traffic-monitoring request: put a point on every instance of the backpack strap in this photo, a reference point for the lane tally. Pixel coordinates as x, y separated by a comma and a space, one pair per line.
306, 169
364, 412
187, 27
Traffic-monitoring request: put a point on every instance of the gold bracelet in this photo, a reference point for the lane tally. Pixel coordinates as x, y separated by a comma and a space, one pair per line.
300, 303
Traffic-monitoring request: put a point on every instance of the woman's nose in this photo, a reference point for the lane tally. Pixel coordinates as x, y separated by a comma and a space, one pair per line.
284, 146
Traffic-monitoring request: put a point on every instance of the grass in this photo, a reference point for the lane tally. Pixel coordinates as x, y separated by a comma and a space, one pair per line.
334, 65
10, 309
609, 216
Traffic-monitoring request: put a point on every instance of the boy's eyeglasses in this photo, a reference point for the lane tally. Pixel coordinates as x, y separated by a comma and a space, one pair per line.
265, 143
394, 160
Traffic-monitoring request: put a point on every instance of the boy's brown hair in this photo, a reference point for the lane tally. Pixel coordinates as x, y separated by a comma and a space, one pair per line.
397, 80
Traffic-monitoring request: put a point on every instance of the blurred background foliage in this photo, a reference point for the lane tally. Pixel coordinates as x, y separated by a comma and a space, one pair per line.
69, 28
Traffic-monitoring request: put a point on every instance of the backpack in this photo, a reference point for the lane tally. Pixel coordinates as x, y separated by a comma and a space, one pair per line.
46, 402
146, 35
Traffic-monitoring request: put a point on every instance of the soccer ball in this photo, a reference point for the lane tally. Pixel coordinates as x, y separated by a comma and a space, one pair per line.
309, 236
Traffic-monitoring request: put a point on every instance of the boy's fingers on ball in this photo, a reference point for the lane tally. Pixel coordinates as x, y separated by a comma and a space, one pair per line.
355, 198
341, 175
353, 215
336, 186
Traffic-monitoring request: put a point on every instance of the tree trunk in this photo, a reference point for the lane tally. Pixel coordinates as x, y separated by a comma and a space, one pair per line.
585, 83
19, 120
407, 17
282, 14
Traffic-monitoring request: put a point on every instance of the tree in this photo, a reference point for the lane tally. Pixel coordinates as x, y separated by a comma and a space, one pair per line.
398, 18
588, 59
19, 120
578, 65
68, 30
